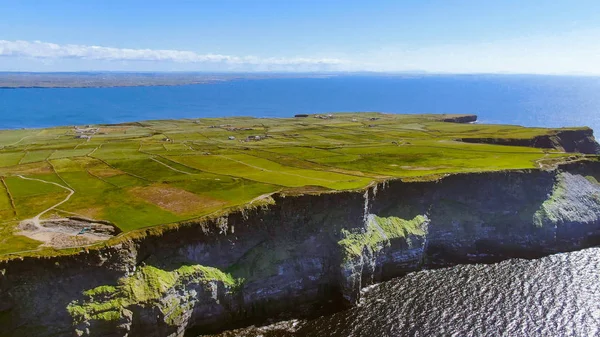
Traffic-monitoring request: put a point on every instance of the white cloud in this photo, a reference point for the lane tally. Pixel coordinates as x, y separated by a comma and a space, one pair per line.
575, 52
45, 50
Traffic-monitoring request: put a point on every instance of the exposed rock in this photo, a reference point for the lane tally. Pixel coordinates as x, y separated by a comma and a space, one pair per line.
68, 232
298, 255
461, 119
581, 141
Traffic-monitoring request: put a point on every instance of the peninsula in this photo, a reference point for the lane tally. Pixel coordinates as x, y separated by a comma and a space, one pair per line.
162, 228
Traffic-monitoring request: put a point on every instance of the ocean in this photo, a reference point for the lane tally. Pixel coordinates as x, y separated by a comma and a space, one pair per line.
557, 295
550, 101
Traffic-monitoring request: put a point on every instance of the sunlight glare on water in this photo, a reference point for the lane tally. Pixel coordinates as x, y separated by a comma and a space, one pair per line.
558, 295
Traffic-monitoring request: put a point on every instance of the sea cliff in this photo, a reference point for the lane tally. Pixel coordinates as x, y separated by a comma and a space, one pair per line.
581, 141
298, 255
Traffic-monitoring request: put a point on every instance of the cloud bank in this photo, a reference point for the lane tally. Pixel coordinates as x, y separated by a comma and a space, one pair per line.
575, 52
45, 50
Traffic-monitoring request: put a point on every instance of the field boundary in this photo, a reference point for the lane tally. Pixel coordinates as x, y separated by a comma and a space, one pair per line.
12, 201
58, 175
128, 173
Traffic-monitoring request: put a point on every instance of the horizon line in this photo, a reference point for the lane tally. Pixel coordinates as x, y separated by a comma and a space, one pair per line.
292, 72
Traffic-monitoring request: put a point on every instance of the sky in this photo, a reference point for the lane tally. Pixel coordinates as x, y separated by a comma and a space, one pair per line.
437, 36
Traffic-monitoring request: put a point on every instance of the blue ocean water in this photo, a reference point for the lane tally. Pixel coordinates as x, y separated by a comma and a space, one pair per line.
551, 101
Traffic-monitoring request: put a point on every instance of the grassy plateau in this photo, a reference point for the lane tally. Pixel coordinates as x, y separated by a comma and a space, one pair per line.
138, 175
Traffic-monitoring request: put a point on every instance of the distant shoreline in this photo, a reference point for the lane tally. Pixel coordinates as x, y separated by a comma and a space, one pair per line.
64, 80
284, 95
104, 86
121, 80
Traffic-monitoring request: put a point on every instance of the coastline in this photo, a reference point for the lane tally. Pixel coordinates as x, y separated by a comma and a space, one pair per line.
174, 227
300, 252
289, 96
135, 162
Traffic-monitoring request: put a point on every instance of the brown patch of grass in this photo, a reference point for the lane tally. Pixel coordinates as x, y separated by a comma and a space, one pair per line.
292, 191
27, 169
175, 199
105, 172
114, 129
91, 212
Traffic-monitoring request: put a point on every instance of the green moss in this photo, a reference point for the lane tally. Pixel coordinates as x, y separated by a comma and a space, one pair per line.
110, 315
100, 291
395, 227
380, 231
96, 310
148, 285
174, 311
199, 272
545, 211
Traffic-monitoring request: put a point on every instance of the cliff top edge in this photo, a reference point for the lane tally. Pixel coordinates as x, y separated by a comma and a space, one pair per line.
76, 186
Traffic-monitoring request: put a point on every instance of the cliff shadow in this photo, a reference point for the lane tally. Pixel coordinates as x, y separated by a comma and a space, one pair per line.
490, 217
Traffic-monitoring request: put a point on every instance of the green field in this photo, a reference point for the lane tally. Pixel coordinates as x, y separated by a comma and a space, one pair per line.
138, 175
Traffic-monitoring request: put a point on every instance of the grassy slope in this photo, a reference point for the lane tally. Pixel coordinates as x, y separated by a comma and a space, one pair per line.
120, 175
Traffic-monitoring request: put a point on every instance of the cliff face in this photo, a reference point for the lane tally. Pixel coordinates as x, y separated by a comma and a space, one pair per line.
581, 141
299, 254
461, 119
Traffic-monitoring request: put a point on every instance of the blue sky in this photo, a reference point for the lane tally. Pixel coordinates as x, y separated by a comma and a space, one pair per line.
526, 36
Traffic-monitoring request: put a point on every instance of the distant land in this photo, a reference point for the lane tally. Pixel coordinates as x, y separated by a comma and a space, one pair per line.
14, 80
107, 79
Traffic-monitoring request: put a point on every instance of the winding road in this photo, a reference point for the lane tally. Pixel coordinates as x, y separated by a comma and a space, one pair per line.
36, 219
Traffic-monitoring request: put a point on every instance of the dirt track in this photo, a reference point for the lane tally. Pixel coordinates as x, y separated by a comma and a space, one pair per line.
36, 219
63, 232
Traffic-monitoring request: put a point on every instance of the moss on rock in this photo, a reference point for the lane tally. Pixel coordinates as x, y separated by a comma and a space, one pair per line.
378, 233
148, 285
545, 212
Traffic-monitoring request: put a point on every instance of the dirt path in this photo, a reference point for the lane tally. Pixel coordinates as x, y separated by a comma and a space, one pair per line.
169, 167
64, 232
261, 197
17, 142
36, 219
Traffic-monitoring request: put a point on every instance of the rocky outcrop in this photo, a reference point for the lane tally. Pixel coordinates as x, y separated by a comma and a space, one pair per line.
299, 255
581, 141
461, 119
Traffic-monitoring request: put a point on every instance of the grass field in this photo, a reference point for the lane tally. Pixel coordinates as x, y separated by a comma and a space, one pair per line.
151, 173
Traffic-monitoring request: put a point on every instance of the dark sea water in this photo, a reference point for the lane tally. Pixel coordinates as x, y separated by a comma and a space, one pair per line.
558, 295
526, 100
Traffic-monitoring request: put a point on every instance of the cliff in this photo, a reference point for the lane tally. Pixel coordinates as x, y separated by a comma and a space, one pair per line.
461, 119
581, 141
298, 254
